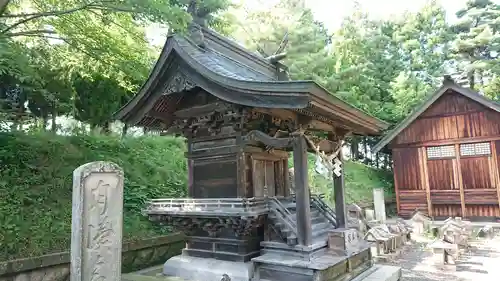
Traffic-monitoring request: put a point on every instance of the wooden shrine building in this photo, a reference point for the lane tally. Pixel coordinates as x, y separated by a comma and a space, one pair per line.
447, 156
242, 117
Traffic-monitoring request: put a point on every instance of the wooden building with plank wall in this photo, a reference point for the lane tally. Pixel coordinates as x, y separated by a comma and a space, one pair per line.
446, 156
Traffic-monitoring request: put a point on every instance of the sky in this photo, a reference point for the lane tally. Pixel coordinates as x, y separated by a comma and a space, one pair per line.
331, 12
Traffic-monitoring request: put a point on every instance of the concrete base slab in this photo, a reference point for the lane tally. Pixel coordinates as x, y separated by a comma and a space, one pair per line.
203, 269
139, 277
380, 273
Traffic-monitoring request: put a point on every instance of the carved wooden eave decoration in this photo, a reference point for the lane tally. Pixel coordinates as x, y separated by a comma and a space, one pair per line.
448, 86
231, 74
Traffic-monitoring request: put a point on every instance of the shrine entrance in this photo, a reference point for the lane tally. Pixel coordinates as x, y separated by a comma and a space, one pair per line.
269, 174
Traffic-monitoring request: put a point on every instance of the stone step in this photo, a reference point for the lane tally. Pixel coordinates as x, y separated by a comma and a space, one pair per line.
314, 213
319, 223
316, 217
322, 232
380, 273
291, 240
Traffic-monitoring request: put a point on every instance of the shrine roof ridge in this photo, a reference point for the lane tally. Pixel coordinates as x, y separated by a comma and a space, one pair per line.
447, 84
245, 78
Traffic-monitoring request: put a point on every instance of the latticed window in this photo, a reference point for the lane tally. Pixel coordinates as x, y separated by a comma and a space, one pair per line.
437, 152
475, 149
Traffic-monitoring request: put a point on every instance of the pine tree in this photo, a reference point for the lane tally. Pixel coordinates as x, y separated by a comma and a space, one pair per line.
477, 46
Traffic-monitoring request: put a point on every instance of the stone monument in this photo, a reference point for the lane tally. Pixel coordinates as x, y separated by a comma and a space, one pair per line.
379, 204
97, 215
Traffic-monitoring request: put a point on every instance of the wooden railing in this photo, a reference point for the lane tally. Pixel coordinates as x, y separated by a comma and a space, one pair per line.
317, 201
228, 206
282, 214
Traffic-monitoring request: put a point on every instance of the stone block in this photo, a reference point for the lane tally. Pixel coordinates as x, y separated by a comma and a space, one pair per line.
486, 232
345, 241
205, 269
369, 214
444, 254
97, 215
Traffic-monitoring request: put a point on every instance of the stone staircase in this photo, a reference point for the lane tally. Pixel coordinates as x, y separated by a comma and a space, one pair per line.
283, 220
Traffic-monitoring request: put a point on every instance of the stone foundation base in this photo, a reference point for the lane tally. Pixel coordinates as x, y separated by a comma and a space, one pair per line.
373, 273
325, 266
203, 269
380, 273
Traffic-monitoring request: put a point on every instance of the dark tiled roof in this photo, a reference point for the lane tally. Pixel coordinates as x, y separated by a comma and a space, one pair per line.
236, 75
222, 64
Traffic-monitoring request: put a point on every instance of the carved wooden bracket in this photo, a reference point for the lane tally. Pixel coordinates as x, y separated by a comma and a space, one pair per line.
242, 226
180, 82
267, 140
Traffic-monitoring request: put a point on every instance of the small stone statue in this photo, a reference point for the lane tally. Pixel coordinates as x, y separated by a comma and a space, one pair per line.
225, 277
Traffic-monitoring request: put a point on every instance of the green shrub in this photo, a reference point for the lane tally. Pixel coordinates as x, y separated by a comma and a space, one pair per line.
36, 185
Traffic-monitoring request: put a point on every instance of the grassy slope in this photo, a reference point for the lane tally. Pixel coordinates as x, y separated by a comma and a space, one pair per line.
360, 180
36, 182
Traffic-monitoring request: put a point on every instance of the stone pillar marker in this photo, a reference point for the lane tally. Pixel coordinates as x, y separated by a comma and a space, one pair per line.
97, 222
379, 204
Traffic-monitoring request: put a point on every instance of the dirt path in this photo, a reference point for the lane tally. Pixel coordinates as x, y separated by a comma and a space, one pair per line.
480, 263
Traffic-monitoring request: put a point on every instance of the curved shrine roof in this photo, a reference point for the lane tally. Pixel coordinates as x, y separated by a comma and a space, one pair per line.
228, 71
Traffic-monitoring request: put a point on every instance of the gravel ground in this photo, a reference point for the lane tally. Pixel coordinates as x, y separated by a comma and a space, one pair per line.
480, 263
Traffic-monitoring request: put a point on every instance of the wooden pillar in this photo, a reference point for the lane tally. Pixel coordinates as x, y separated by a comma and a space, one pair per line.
424, 178
496, 170
459, 179
190, 167
303, 203
339, 196
396, 185
286, 176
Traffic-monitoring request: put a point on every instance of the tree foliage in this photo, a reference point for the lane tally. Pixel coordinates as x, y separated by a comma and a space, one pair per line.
477, 44
86, 58
61, 57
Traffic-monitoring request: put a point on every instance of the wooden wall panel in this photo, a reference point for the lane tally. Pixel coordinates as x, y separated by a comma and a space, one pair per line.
445, 197
444, 210
441, 174
451, 117
411, 200
497, 149
451, 103
480, 197
476, 173
215, 177
482, 211
407, 169
496, 158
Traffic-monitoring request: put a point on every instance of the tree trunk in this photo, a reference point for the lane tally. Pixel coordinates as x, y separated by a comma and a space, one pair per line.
365, 148
3, 6
53, 117
376, 160
45, 121
388, 162
355, 148
106, 128
471, 77
124, 130
13, 126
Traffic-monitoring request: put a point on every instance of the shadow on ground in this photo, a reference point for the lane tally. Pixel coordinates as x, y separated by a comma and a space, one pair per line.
481, 262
